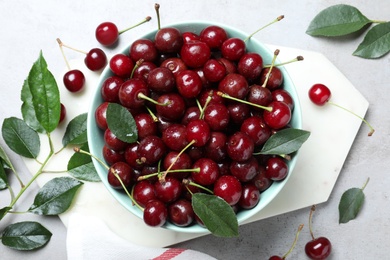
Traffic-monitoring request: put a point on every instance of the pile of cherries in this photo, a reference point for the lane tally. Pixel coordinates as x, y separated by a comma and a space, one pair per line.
203, 105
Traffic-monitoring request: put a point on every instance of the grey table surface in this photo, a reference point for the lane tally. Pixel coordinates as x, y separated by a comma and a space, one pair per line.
30, 26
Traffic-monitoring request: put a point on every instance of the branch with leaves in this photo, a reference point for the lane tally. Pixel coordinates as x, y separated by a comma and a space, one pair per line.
340, 20
41, 109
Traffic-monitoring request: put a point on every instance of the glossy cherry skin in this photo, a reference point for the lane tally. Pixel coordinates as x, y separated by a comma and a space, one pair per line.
240, 147
143, 49
155, 213
74, 80
319, 248
198, 131
250, 196
259, 95
121, 65
62, 113
233, 49
143, 192
161, 80
107, 33
228, 188
235, 85
110, 89
275, 79
250, 65
188, 83
151, 149
257, 129
123, 171
100, 115
169, 190
129, 93
276, 169
319, 94
174, 64
214, 70
95, 59
195, 53
283, 96
111, 156
168, 40
275, 257
145, 125
172, 106
215, 147
217, 116
181, 213
244, 171
142, 70
208, 171
261, 181
213, 36
175, 137
280, 115
112, 141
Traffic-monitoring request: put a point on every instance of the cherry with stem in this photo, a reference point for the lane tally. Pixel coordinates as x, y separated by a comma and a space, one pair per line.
275, 257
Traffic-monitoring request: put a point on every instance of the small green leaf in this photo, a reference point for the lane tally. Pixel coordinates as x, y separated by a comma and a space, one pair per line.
80, 166
45, 95
121, 123
337, 20
285, 141
6, 161
25, 236
376, 43
76, 131
216, 214
56, 196
350, 204
3, 177
4, 211
20, 137
28, 111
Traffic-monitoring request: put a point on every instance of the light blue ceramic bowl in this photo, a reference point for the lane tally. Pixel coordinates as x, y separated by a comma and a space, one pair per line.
95, 134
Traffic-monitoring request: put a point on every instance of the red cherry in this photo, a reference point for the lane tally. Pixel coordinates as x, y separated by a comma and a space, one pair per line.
319, 94
107, 33
95, 59
318, 248
74, 80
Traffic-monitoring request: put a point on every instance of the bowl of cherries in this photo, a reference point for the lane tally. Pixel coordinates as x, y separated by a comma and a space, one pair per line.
182, 119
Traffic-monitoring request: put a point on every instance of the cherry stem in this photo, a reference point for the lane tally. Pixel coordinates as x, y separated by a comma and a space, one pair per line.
295, 241
144, 177
224, 95
313, 208
162, 178
147, 19
69, 47
154, 117
187, 182
63, 54
157, 8
276, 53
298, 58
274, 21
78, 150
136, 66
143, 96
372, 130
201, 116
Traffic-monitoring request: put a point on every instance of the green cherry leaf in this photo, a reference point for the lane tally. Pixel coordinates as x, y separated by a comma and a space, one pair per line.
350, 203
76, 131
216, 214
28, 111
44, 94
376, 42
4, 211
285, 141
25, 236
337, 20
56, 196
5, 159
80, 166
121, 123
3, 177
20, 138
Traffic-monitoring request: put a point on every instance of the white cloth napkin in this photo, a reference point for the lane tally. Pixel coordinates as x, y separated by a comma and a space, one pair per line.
89, 238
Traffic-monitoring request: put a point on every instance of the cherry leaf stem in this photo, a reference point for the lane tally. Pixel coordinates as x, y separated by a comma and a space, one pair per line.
147, 19
372, 130
265, 26
224, 95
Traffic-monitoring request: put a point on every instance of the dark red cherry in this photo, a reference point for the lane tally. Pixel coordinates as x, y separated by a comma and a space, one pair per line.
233, 49
283, 96
213, 36
95, 59
279, 116
198, 131
215, 148
250, 65
74, 80
111, 156
181, 213
319, 94
100, 115
155, 213
276, 169
235, 85
175, 161
190, 114
195, 53
208, 171
250, 196
143, 49
110, 89
318, 248
217, 116
132, 158
145, 125
261, 181
62, 113
174, 64
246, 170
161, 80
257, 129
214, 70
121, 65
190, 36
172, 106
123, 171
142, 70
112, 141
143, 192
151, 149
107, 33
169, 190
168, 40
129, 93
275, 79
230, 66
188, 83
228, 188
240, 147
259, 95
175, 137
